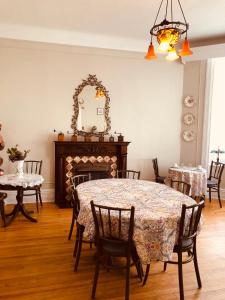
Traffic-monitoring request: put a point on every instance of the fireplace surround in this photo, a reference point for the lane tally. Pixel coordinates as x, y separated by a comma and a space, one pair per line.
100, 159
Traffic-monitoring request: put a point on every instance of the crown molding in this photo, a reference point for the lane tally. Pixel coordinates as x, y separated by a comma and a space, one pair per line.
72, 38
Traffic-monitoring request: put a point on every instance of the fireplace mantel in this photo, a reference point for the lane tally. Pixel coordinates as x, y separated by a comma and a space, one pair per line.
72, 158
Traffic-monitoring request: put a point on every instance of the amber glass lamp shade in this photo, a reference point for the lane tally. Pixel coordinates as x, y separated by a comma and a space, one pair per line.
172, 54
167, 38
186, 51
151, 53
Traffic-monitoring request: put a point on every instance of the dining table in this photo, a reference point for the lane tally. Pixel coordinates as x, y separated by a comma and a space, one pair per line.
157, 212
13, 182
195, 176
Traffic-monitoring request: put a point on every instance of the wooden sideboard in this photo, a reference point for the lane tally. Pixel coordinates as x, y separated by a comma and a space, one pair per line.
101, 159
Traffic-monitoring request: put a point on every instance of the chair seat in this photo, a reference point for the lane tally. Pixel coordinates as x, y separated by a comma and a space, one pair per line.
160, 179
212, 183
116, 248
36, 187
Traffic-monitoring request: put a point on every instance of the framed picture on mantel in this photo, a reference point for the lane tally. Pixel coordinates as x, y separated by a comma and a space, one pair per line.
100, 111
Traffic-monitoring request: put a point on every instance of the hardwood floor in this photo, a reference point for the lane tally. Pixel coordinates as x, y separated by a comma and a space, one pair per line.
36, 263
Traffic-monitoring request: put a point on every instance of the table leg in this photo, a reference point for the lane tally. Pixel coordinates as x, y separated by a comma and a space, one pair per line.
11, 216
26, 214
19, 207
19, 198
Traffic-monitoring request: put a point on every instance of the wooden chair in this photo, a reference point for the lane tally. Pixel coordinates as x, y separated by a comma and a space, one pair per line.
214, 180
189, 222
114, 238
181, 186
33, 167
75, 181
128, 174
2, 209
158, 178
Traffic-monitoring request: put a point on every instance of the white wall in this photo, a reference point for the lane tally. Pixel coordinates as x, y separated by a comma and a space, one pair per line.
195, 82
36, 89
194, 85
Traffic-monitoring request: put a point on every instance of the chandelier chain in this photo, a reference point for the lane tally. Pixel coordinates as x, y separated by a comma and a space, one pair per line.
171, 8
166, 8
182, 11
158, 12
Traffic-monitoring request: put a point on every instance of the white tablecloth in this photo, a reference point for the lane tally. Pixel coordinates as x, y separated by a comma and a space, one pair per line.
28, 180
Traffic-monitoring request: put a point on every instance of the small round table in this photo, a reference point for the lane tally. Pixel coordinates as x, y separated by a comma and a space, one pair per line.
196, 177
157, 212
13, 182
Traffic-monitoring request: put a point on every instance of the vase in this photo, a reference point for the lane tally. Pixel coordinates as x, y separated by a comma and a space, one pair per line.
19, 168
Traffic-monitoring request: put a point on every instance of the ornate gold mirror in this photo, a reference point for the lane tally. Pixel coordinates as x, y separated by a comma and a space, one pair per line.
91, 108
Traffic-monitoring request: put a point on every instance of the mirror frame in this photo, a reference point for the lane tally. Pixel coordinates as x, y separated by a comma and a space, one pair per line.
93, 81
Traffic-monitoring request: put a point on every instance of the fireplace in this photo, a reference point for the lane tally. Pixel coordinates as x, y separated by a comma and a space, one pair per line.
95, 172
99, 159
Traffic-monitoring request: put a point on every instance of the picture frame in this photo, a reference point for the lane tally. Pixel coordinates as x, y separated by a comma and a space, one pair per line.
100, 111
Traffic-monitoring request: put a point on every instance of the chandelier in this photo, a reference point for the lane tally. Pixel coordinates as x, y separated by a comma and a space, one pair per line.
168, 33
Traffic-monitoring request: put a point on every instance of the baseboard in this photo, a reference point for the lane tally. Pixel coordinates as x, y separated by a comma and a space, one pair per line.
48, 195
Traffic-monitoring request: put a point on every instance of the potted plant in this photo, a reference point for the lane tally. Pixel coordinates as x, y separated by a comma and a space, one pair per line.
16, 155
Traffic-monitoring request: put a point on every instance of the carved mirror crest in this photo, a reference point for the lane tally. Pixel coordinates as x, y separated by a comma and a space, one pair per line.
91, 108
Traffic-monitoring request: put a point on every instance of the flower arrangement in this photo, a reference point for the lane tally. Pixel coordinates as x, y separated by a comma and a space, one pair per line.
15, 154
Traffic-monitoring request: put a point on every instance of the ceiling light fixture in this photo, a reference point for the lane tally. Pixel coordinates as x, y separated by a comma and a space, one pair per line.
168, 34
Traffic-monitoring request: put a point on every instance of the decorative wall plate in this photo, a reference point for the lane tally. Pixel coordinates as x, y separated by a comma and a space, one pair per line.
188, 135
189, 101
188, 119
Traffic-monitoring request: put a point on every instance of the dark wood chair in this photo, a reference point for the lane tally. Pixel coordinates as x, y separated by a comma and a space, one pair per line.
158, 178
33, 167
114, 238
181, 186
189, 221
2, 209
128, 174
214, 180
75, 181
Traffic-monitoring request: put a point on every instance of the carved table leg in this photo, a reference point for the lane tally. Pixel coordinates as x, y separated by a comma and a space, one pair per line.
19, 198
19, 207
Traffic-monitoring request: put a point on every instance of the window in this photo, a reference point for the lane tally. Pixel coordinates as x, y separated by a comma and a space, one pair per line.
217, 129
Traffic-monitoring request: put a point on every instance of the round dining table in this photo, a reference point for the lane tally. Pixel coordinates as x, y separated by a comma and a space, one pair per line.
157, 212
196, 177
13, 182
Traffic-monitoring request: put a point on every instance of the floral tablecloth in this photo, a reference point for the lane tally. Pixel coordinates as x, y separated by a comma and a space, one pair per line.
197, 178
157, 212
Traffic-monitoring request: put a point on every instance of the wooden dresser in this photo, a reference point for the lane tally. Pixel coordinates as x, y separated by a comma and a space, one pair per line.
101, 159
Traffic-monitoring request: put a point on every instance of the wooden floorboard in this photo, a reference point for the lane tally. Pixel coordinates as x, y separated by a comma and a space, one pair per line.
36, 263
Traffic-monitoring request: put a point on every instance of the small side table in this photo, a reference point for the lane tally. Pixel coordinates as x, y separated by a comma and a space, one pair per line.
12, 182
197, 178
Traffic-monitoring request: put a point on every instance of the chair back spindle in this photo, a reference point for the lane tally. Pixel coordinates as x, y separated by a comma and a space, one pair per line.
181, 186
189, 222
75, 181
158, 178
216, 171
128, 174
113, 225
33, 166
155, 167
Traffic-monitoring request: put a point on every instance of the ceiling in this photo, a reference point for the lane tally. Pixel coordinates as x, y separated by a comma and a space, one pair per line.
116, 24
